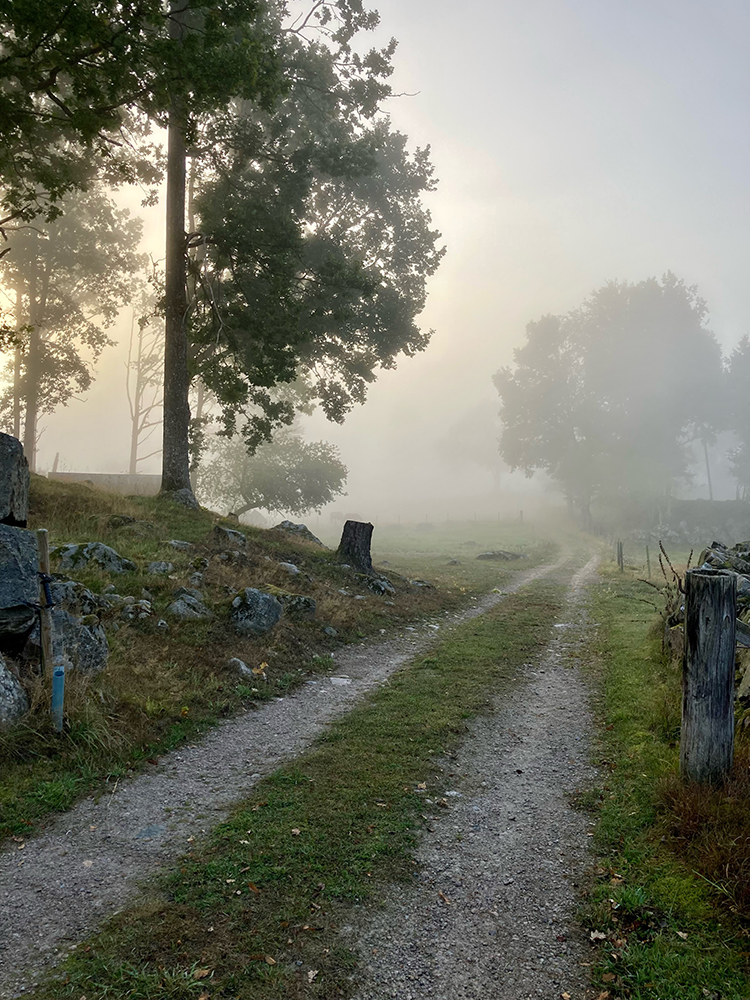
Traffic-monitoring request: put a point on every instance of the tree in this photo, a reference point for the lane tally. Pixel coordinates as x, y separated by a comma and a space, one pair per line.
69, 280
608, 397
316, 245
287, 474
94, 77
738, 412
144, 381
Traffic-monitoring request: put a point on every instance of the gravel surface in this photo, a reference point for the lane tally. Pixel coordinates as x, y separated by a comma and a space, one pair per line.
490, 916
92, 860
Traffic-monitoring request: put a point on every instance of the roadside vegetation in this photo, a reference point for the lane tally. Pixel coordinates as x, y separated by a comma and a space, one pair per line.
255, 910
670, 901
164, 686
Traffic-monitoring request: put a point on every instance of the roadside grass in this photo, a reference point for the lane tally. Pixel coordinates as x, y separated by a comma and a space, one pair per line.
256, 909
669, 900
160, 687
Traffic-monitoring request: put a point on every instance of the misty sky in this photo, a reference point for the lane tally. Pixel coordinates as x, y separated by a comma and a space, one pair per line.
575, 141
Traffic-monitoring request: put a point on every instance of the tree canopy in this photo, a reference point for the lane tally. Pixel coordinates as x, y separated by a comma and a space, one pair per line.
82, 84
314, 243
69, 279
608, 397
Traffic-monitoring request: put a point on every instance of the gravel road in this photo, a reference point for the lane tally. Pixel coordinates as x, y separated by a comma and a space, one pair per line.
490, 916
89, 862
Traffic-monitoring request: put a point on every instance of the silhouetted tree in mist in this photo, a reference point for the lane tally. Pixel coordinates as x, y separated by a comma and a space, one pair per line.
608, 397
286, 474
69, 279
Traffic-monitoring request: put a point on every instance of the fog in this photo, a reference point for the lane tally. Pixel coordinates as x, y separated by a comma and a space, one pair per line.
575, 142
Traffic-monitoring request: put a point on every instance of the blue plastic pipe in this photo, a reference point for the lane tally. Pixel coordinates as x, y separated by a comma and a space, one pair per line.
58, 696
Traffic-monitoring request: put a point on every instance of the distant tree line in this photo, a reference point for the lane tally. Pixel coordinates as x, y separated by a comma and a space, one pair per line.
611, 399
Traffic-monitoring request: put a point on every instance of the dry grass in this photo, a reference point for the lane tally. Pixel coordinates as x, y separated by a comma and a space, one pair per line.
161, 688
710, 829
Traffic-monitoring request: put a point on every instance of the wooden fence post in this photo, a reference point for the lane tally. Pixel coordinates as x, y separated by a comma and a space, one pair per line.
707, 736
648, 562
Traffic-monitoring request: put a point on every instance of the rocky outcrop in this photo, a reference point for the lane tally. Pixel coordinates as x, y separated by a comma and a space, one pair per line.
254, 612
501, 555
188, 604
228, 538
300, 530
14, 482
75, 556
80, 641
160, 568
19, 580
13, 701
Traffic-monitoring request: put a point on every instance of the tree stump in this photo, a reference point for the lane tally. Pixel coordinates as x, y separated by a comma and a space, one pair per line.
354, 547
707, 736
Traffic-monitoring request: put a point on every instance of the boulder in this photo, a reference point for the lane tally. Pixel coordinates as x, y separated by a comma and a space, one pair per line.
228, 538
19, 580
500, 554
254, 612
300, 530
73, 556
380, 585
299, 606
188, 608
160, 568
289, 568
136, 611
181, 546
80, 641
79, 600
14, 482
189, 592
239, 667
13, 700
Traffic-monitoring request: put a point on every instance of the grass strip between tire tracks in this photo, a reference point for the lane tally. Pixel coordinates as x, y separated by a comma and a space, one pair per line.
665, 931
255, 910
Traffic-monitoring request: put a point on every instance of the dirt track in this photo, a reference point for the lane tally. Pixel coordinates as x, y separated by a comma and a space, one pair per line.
90, 861
491, 917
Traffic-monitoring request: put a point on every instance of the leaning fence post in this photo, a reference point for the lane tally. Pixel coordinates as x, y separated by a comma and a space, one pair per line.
707, 736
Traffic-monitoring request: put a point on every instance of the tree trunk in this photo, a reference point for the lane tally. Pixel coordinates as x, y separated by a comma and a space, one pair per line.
708, 471
17, 367
707, 737
354, 547
137, 394
33, 366
175, 457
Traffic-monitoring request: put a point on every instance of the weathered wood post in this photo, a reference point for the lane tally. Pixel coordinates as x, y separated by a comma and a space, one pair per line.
707, 736
354, 547
648, 562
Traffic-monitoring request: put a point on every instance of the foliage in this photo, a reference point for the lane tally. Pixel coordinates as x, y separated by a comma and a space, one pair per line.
70, 278
286, 474
82, 83
314, 243
607, 397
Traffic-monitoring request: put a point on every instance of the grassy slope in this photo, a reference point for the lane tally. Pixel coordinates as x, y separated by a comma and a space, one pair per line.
671, 894
160, 689
254, 911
